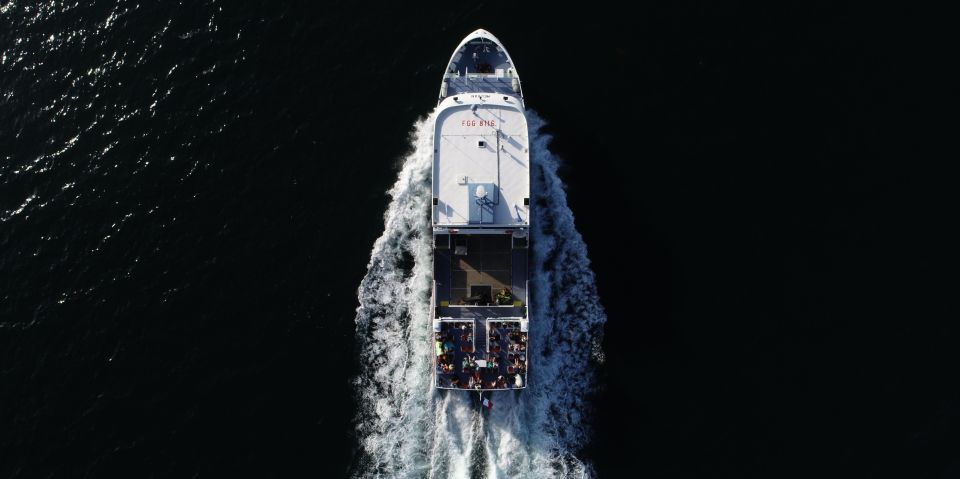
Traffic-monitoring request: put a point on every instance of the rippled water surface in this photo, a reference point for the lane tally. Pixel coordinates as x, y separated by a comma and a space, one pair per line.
188, 195
181, 231
196, 198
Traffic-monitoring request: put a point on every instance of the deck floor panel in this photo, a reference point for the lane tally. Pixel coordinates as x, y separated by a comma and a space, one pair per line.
441, 274
519, 274
488, 262
481, 312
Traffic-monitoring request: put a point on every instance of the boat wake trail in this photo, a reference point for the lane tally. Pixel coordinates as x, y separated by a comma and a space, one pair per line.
405, 427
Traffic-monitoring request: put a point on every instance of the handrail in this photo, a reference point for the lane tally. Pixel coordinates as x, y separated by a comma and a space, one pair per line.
431, 317
480, 306
507, 75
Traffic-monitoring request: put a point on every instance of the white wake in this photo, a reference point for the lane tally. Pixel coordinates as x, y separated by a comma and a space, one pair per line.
408, 429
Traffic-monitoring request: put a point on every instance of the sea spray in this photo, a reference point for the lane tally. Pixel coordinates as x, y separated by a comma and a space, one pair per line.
405, 427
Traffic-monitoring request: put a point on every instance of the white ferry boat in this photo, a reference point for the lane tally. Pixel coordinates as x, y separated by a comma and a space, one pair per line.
480, 306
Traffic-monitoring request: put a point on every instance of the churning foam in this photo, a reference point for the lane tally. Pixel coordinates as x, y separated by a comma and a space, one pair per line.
405, 427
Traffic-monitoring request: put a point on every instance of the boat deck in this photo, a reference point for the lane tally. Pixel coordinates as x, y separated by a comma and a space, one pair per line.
482, 354
479, 344
487, 261
479, 84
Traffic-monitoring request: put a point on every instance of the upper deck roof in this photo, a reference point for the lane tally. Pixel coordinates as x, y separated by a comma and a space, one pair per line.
481, 143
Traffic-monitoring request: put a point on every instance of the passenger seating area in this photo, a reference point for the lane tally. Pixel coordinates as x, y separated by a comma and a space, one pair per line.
500, 364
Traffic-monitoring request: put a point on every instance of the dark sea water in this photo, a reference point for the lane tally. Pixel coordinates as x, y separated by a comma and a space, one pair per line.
190, 192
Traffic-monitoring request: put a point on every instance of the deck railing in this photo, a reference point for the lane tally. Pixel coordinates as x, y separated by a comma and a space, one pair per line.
473, 75
526, 293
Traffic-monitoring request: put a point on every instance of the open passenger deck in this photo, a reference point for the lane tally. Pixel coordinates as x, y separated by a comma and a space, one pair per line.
485, 354
480, 307
471, 269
